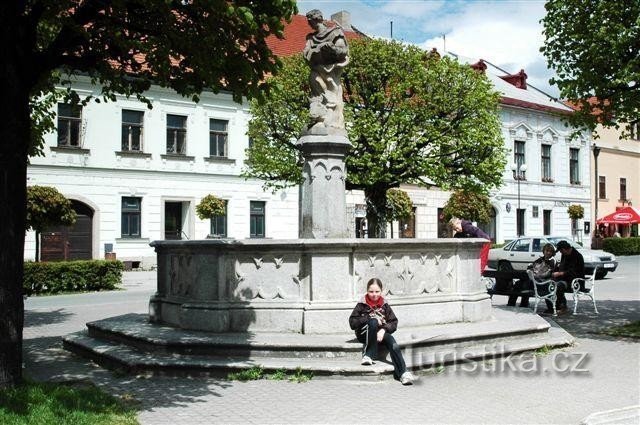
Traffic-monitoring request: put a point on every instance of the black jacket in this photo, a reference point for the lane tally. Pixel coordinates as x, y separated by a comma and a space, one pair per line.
362, 313
572, 265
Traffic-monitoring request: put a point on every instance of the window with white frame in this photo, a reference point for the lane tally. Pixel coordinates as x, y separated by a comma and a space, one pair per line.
574, 166
176, 134
130, 217
218, 136
257, 219
69, 124
219, 224
602, 187
132, 130
519, 158
546, 163
623, 189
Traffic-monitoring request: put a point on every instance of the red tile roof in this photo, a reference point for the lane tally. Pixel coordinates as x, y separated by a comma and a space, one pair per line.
530, 105
295, 36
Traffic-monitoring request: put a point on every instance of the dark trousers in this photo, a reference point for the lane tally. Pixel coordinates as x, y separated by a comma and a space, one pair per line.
520, 285
367, 335
561, 300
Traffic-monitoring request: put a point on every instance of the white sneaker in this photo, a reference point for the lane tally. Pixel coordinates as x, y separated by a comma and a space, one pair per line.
407, 378
366, 360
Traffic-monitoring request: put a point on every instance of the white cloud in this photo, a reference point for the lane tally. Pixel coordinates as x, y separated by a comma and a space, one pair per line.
506, 33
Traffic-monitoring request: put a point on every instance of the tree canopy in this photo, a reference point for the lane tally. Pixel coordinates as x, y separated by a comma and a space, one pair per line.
411, 117
123, 47
468, 205
594, 48
47, 207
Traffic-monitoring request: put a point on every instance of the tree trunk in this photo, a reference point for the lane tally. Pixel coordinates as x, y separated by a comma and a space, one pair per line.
37, 257
376, 211
14, 142
13, 198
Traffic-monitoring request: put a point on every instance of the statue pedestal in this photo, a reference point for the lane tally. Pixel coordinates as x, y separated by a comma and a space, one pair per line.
323, 211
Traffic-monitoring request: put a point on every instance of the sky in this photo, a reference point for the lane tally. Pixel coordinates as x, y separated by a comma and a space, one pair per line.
507, 33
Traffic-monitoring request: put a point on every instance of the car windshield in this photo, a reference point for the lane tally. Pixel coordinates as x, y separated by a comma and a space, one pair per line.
572, 243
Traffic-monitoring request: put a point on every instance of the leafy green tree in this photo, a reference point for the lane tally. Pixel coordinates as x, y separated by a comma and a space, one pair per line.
122, 47
399, 206
594, 47
472, 206
46, 207
411, 117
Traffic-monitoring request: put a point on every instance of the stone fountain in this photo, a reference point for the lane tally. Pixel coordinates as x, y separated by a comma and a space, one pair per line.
228, 304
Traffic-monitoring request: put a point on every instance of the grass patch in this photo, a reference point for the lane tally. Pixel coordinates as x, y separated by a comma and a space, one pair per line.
301, 376
630, 330
49, 403
278, 375
252, 374
542, 351
257, 372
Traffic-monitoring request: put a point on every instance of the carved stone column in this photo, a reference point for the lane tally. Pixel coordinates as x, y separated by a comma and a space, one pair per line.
323, 212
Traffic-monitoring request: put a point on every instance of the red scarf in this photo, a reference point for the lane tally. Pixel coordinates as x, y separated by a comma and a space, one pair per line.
374, 304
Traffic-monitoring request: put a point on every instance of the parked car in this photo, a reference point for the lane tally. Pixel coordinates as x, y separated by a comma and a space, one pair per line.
519, 253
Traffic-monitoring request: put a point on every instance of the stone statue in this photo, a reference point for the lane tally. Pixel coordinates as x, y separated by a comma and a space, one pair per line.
327, 53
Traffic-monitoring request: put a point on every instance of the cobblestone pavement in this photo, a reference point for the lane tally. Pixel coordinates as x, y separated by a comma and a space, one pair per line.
598, 373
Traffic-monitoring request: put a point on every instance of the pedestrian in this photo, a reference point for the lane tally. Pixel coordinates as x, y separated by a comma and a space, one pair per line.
542, 269
571, 266
374, 321
465, 229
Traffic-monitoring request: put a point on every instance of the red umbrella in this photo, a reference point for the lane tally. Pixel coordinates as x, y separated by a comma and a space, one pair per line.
626, 215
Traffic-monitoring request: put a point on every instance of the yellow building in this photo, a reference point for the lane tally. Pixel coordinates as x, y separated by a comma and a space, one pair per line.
617, 178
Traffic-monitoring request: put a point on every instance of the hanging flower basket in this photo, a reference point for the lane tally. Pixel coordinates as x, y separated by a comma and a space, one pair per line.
209, 207
575, 211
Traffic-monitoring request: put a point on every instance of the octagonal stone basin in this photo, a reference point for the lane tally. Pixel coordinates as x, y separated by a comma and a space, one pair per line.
310, 286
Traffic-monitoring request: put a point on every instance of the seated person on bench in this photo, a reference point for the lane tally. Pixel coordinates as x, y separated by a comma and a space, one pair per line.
571, 267
542, 269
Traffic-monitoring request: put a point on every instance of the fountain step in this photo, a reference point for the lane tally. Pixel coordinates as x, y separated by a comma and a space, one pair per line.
143, 347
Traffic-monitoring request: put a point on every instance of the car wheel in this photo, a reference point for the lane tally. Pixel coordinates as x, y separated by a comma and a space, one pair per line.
601, 275
505, 266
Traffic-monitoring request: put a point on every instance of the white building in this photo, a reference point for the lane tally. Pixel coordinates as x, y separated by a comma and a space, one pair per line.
135, 175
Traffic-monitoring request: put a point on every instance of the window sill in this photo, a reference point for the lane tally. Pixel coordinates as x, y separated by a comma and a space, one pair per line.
69, 149
177, 157
219, 160
133, 154
132, 240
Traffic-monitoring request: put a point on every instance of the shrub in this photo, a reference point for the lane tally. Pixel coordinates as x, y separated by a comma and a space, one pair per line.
622, 246
71, 276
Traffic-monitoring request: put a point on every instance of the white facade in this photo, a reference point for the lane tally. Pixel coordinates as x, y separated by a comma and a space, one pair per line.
99, 174
535, 129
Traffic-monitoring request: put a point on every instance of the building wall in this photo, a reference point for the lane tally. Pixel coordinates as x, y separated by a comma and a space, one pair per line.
99, 174
536, 128
619, 158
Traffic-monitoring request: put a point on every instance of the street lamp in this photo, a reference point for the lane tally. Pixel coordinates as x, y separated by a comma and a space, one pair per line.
596, 152
518, 174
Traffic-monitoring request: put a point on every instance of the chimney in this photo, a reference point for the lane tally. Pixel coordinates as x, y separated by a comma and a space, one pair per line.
343, 18
518, 80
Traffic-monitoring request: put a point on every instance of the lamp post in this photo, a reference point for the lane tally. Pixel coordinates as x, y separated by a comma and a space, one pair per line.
596, 152
518, 174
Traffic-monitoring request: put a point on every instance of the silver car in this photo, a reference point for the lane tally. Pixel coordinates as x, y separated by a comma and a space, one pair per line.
519, 253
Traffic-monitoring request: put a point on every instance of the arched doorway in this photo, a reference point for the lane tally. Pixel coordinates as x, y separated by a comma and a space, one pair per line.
70, 242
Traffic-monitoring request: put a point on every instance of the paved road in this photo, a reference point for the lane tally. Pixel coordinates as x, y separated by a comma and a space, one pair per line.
598, 373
